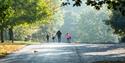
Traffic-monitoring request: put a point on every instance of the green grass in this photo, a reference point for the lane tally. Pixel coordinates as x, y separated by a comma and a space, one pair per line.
20, 43
8, 47
26, 42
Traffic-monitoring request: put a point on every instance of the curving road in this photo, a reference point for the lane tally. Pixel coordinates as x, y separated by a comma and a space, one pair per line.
67, 53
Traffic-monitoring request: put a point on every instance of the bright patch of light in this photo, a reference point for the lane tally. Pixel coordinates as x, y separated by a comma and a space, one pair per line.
109, 52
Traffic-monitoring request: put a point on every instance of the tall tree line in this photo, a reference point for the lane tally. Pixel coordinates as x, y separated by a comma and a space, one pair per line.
19, 12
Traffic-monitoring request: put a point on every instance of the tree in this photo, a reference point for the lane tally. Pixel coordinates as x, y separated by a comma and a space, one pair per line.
23, 11
77, 3
117, 7
5, 14
117, 21
38, 29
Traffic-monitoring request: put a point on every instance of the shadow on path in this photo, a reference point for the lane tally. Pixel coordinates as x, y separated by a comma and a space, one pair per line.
67, 53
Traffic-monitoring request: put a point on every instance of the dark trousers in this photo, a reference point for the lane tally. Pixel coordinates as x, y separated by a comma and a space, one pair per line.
68, 40
59, 39
47, 39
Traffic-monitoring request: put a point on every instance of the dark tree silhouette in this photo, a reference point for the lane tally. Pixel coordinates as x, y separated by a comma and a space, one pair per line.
77, 3
116, 5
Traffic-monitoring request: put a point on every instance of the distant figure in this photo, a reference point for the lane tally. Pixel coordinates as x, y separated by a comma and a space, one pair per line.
53, 38
68, 37
59, 35
47, 38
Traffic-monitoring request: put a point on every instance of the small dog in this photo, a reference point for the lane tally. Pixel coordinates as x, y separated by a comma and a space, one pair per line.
35, 51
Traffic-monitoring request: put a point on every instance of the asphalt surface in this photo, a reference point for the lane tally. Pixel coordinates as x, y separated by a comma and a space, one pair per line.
67, 53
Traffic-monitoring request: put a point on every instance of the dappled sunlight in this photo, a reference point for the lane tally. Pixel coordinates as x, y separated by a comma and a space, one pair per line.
62, 31
52, 45
119, 55
108, 52
7, 49
46, 47
97, 45
55, 54
45, 50
61, 52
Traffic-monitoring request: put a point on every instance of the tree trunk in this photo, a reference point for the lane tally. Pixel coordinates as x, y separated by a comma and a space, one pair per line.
11, 34
122, 39
1, 34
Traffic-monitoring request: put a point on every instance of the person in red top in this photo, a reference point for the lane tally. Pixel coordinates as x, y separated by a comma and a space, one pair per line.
68, 37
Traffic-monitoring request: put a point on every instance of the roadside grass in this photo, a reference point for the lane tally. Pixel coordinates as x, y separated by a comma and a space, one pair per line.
19, 43
8, 47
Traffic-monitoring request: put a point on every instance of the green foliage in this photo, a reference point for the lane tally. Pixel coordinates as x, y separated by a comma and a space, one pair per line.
30, 11
5, 13
116, 5
25, 13
117, 22
77, 3
43, 15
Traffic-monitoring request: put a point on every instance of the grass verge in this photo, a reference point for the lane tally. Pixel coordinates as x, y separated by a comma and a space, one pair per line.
8, 47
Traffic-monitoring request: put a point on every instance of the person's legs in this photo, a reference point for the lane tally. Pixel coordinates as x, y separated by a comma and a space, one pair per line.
59, 39
67, 40
47, 39
53, 40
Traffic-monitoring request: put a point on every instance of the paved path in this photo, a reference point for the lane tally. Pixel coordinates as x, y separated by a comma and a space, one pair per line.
67, 53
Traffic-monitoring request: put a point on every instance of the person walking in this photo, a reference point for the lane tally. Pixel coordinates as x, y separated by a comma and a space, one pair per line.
59, 33
68, 37
47, 38
53, 38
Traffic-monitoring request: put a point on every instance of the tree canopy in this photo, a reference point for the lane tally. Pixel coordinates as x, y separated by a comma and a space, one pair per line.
16, 12
117, 5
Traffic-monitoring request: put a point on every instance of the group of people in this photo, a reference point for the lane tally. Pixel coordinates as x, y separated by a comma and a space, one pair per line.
58, 35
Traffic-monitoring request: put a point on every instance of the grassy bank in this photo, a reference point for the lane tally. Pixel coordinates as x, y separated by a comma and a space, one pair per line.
19, 43
8, 47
